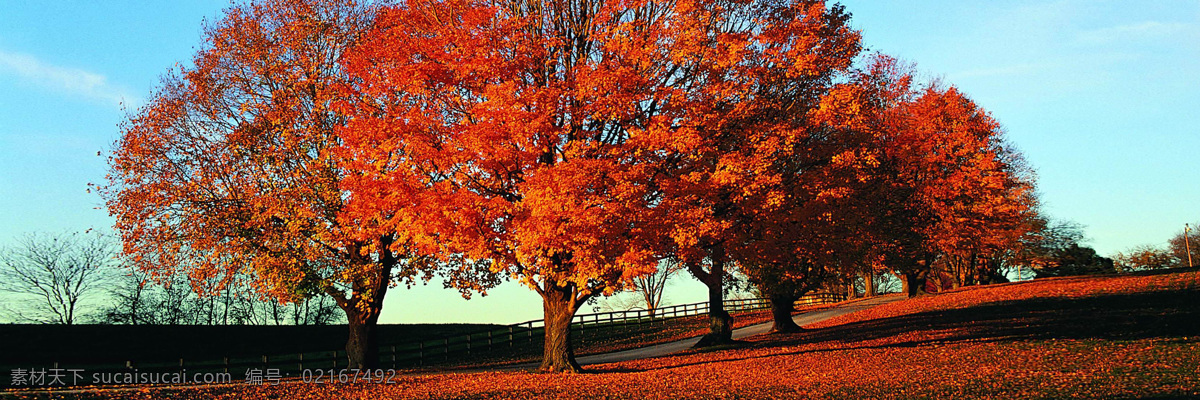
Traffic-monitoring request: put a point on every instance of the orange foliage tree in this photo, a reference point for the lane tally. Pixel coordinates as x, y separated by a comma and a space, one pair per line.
229, 169
803, 237
749, 152
949, 190
572, 144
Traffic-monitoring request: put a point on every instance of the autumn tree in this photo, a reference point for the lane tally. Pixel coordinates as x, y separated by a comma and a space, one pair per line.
751, 133
949, 190
784, 283
546, 133
229, 168
804, 237
522, 119
1143, 258
1183, 243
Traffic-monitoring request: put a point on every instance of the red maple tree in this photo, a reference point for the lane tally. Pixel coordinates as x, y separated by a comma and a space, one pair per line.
230, 168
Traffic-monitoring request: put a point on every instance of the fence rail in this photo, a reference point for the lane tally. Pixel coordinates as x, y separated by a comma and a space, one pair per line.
433, 351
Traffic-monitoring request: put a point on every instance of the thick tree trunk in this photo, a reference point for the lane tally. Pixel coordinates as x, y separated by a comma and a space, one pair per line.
868, 284
362, 349
781, 312
559, 308
914, 283
363, 307
720, 323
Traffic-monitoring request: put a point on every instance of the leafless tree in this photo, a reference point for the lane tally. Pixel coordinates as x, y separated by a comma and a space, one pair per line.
51, 275
651, 287
129, 299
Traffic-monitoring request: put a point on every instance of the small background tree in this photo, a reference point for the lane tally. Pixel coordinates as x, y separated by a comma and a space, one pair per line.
52, 277
1181, 243
1146, 257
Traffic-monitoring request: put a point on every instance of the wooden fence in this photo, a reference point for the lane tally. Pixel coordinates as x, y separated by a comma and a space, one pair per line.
426, 352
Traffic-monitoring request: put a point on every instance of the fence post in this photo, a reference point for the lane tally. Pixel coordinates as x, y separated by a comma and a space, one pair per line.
421, 353
393, 356
446, 343
489, 340
335, 359
300, 363
264, 361
510, 336
180, 364
468, 344
226, 362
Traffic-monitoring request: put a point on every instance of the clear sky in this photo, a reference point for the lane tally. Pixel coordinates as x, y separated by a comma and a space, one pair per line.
1101, 96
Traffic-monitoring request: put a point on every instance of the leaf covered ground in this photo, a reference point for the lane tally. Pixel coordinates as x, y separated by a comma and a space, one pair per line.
1099, 337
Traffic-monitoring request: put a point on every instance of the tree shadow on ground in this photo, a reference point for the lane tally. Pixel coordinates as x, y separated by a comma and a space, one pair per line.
1156, 314
1170, 314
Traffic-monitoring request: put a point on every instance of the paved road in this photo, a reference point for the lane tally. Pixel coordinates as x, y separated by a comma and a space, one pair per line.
668, 348
675, 347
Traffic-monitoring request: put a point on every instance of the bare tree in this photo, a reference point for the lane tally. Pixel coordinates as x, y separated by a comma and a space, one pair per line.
650, 287
51, 274
138, 298
129, 300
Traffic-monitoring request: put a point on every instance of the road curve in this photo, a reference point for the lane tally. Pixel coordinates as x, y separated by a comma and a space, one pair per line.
677, 346
668, 348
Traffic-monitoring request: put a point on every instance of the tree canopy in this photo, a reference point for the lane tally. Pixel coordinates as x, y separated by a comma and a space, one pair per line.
571, 146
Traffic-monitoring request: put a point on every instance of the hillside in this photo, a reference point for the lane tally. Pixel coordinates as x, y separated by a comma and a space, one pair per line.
1097, 337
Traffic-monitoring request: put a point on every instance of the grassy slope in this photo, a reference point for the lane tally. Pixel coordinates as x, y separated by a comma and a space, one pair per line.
1105, 337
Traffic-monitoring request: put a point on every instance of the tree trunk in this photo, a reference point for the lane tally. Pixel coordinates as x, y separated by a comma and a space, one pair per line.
965, 275
720, 323
651, 306
363, 347
364, 305
868, 284
781, 311
914, 283
559, 308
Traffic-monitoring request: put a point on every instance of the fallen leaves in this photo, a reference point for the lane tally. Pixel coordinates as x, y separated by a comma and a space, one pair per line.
837, 359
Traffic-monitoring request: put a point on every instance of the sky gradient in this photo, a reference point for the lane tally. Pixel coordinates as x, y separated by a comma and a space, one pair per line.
1101, 96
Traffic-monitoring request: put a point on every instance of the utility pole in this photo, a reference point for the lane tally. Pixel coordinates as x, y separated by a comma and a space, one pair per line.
1187, 243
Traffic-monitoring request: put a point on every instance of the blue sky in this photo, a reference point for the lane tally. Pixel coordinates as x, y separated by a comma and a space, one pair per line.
1101, 96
